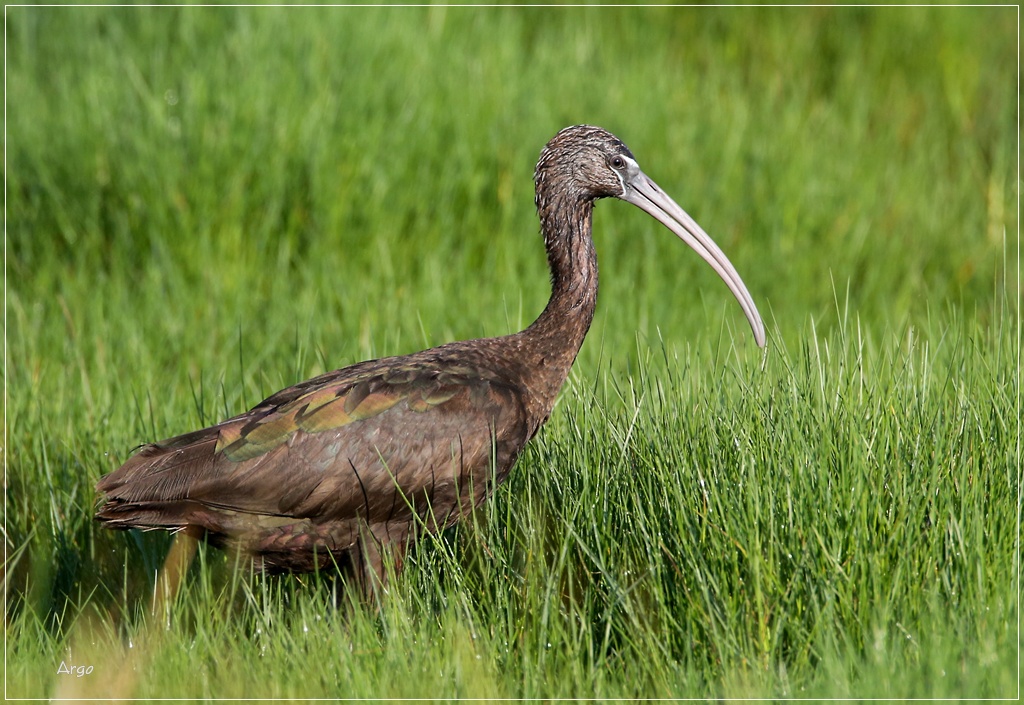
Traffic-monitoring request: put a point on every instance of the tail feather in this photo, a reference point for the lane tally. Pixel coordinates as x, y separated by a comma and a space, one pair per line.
151, 489
170, 516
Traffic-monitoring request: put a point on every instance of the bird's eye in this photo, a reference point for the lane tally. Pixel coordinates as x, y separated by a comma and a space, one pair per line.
618, 162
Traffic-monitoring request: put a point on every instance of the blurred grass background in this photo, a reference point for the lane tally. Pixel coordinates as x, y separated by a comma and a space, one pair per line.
207, 204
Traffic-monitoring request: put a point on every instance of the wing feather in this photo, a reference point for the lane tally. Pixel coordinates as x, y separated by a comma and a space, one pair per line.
359, 444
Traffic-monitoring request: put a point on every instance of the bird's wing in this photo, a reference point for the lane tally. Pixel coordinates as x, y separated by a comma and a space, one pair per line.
357, 443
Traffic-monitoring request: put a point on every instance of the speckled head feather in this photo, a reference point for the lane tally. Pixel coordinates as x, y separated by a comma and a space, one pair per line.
577, 158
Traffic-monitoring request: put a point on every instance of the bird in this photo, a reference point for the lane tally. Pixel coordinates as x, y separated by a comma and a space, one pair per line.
348, 468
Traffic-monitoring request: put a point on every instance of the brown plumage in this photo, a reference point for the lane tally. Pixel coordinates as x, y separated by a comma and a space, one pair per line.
337, 467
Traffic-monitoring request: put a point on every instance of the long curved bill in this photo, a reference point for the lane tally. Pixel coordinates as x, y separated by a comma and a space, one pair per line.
643, 193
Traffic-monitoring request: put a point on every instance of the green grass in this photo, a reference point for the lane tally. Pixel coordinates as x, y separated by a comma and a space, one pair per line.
207, 204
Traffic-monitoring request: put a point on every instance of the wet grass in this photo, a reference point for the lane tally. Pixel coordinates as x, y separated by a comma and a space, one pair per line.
207, 204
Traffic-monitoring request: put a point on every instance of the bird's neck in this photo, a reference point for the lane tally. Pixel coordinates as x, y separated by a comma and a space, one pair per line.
555, 338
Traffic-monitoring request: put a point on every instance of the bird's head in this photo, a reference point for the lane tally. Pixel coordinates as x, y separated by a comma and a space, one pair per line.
585, 163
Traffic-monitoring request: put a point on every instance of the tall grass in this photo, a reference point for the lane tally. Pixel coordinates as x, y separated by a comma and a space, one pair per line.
206, 204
